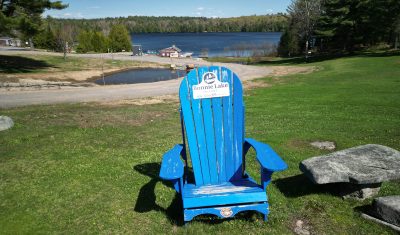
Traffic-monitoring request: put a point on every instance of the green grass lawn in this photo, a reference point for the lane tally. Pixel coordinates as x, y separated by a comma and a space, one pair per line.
90, 168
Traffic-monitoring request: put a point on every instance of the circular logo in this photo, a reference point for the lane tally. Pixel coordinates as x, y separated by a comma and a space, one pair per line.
226, 212
209, 77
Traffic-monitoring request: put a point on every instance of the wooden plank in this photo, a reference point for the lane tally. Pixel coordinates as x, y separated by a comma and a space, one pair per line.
172, 166
218, 131
209, 133
262, 207
193, 79
244, 186
224, 199
185, 98
238, 129
226, 76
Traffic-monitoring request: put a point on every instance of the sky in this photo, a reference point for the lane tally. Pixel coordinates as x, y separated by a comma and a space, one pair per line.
89, 9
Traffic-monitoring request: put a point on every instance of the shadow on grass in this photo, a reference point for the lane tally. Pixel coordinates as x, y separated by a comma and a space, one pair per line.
146, 200
297, 186
300, 185
365, 209
18, 64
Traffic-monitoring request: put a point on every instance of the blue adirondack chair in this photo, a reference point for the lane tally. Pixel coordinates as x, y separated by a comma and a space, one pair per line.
212, 119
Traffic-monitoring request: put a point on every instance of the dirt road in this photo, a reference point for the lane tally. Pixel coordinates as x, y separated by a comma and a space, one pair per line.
115, 92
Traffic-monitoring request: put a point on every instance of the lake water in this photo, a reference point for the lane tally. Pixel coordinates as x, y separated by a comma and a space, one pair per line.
211, 44
144, 75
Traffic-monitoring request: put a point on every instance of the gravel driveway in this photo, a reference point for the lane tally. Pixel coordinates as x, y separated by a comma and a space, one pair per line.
116, 92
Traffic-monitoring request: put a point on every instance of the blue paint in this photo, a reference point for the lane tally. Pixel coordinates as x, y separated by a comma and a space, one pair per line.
172, 166
263, 208
218, 132
226, 76
209, 133
214, 129
197, 109
188, 120
238, 131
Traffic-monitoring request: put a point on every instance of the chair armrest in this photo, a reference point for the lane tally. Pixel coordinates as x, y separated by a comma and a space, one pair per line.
172, 166
267, 157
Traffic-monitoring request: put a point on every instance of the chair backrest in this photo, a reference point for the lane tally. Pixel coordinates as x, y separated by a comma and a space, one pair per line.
214, 126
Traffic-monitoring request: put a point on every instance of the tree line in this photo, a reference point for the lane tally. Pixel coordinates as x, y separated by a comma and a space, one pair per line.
62, 38
152, 24
340, 26
112, 34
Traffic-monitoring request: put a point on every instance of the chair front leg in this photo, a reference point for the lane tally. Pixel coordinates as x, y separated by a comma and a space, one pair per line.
266, 176
178, 184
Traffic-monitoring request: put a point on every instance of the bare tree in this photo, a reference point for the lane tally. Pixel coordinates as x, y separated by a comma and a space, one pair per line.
64, 38
304, 15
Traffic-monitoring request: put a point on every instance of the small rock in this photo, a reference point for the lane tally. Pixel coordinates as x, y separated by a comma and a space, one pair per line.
5, 123
300, 228
359, 191
388, 208
324, 145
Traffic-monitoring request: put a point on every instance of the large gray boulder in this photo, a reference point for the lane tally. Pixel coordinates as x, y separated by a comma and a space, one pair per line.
367, 164
363, 168
388, 209
5, 123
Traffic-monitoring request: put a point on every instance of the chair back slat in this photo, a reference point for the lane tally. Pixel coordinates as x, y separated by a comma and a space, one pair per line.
214, 128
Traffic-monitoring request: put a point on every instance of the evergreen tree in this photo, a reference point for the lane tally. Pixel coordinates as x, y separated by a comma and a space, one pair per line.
24, 16
91, 41
99, 42
45, 39
119, 38
84, 42
352, 24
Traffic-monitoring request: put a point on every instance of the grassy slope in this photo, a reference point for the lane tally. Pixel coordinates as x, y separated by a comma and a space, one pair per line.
89, 168
21, 66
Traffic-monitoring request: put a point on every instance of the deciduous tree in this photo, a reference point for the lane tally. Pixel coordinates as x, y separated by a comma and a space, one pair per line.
303, 16
119, 38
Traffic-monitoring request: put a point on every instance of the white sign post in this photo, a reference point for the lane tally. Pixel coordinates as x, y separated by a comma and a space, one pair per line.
210, 87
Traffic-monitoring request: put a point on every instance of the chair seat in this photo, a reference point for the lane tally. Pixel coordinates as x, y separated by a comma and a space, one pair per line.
241, 191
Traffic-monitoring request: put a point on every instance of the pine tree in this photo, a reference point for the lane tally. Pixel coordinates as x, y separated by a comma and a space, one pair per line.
24, 16
351, 24
45, 39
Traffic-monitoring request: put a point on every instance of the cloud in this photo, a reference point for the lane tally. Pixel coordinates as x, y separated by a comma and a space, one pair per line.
200, 8
69, 15
94, 7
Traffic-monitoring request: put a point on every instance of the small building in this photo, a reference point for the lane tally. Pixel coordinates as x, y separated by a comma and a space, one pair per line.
172, 51
11, 42
137, 50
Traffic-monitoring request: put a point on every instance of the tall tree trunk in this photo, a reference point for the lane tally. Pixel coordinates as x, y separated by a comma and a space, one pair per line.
396, 42
65, 50
306, 49
31, 43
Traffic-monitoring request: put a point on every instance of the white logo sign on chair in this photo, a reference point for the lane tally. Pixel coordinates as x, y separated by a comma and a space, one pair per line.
210, 87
